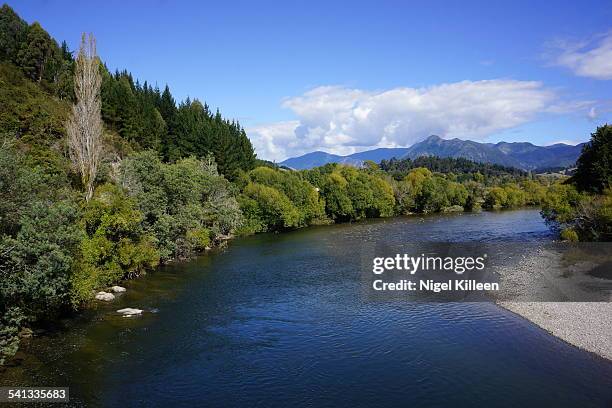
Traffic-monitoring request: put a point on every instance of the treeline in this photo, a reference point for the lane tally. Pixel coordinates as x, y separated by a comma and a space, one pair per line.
142, 115
581, 207
151, 119
398, 168
273, 199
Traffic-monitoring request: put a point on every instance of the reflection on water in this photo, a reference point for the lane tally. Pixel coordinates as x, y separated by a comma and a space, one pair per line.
279, 320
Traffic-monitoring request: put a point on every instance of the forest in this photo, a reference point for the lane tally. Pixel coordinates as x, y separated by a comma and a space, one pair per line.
167, 181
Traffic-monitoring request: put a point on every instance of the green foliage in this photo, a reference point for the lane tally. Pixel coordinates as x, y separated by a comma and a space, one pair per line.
560, 203
35, 267
301, 193
594, 166
569, 234
38, 54
13, 31
466, 169
198, 238
39, 240
422, 191
383, 204
496, 198
269, 208
139, 113
194, 130
534, 192
115, 246
352, 194
338, 204
589, 217
29, 113
174, 199
10, 322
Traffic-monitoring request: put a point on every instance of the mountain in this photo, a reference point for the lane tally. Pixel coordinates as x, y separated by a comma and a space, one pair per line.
314, 159
478, 152
522, 155
318, 158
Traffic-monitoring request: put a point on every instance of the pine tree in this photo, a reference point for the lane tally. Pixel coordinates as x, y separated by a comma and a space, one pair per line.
594, 166
37, 51
13, 32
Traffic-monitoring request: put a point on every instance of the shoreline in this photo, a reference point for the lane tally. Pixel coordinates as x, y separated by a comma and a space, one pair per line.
584, 325
535, 282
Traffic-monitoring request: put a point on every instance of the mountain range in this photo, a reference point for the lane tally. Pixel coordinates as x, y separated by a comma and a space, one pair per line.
522, 155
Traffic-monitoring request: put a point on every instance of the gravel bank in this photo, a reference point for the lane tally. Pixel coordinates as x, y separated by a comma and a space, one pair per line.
561, 297
587, 325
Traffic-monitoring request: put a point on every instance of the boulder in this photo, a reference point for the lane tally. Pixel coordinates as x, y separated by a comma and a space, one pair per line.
118, 289
105, 296
129, 311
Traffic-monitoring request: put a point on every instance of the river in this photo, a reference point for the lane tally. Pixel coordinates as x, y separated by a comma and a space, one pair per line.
280, 320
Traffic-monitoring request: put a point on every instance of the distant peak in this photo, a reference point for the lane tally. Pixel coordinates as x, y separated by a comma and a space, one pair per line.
433, 138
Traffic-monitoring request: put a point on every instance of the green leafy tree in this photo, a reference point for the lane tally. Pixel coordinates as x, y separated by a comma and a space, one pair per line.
272, 207
594, 166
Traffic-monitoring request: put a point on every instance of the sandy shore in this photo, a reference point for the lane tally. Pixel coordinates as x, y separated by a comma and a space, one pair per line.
539, 278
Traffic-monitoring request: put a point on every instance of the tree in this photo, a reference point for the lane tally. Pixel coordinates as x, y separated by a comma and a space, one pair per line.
37, 53
13, 31
84, 126
594, 166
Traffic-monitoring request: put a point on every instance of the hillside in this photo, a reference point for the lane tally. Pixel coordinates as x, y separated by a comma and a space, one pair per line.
37, 92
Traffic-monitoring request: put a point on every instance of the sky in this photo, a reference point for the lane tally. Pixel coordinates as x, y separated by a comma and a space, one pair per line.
348, 76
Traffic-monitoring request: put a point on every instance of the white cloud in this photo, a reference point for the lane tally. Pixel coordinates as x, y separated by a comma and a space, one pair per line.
567, 142
592, 59
343, 120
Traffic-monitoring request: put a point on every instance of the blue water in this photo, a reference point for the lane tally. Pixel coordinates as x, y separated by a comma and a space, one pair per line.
280, 320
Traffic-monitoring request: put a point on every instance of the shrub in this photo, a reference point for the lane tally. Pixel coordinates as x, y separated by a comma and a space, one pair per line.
188, 195
272, 208
115, 247
568, 234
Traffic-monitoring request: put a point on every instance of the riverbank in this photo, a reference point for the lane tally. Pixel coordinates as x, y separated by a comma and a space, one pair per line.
586, 325
539, 278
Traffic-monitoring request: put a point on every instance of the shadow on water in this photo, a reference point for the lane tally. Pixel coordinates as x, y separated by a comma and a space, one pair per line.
279, 320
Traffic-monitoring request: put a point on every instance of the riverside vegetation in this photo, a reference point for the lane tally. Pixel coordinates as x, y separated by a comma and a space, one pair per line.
171, 180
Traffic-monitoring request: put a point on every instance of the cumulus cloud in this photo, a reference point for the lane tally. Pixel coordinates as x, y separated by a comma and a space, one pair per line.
592, 59
343, 120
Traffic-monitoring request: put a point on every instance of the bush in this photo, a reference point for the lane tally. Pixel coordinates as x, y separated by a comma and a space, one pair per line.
115, 247
198, 238
300, 192
188, 195
568, 234
270, 208
496, 198
36, 267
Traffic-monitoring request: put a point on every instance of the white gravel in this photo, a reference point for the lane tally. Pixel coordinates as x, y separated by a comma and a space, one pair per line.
587, 325
584, 324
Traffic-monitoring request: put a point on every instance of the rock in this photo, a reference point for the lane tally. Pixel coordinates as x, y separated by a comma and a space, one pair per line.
118, 289
129, 311
105, 296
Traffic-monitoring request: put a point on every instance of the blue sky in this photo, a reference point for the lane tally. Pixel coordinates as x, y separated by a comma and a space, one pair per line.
349, 76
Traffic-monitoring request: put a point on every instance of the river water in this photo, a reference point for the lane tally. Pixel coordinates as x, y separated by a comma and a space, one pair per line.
280, 320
